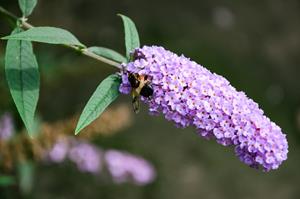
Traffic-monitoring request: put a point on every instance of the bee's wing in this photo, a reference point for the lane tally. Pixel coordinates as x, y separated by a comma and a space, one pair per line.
135, 101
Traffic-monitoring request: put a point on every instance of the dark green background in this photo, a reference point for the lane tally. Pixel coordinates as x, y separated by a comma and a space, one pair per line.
254, 44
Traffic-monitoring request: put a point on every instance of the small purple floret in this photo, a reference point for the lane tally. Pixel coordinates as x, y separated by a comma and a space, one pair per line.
190, 95
6, 127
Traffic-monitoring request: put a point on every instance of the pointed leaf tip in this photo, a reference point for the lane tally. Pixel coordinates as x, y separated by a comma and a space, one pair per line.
132, 40
105, 94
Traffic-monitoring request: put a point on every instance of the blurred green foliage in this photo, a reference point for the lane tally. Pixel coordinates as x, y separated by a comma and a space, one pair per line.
254, 44
6, 180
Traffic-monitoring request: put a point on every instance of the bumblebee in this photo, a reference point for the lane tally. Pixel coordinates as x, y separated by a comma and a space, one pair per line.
140, 86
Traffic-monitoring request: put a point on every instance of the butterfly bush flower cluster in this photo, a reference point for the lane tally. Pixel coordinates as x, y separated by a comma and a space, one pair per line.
122, 166
190, 95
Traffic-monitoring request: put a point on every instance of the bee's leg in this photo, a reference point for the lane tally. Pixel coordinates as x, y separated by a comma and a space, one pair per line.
135, 102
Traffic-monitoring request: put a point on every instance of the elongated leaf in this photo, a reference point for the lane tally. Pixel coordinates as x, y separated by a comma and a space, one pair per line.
23, 78
6, 180
106, 93
108, 53
27, 6
132, 40
50, 35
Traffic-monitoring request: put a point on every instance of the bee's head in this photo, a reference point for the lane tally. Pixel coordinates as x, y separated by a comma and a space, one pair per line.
134, 80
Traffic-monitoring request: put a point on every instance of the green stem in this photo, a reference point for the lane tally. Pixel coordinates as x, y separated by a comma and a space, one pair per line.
8, 14
84, 51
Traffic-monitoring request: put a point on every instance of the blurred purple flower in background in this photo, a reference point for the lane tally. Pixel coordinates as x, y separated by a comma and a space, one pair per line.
122, 166
125, 167
190, 95
6, 127
59, 151
86, 156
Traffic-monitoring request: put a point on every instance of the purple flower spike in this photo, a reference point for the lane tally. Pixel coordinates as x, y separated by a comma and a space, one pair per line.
190, 95
87, 157
124, 167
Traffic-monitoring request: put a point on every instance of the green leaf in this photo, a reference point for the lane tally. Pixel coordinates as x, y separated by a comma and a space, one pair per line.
132, 40
6, 180
26, 176
106, 93
23, 78
50, 35
27, 6
108, 53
